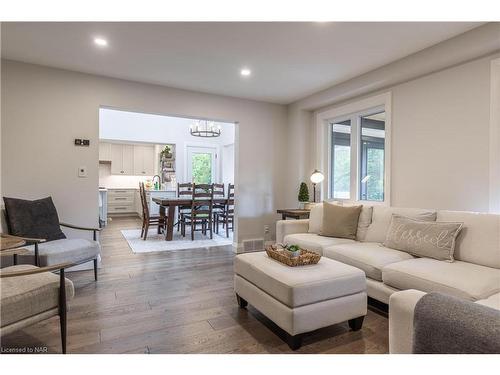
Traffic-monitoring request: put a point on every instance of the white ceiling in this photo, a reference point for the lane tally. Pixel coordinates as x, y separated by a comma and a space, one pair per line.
288, 60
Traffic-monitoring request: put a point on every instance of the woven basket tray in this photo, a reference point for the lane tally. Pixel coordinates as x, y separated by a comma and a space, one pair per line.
283, 256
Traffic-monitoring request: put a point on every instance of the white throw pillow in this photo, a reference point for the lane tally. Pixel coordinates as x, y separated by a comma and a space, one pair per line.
316, 216
365, 219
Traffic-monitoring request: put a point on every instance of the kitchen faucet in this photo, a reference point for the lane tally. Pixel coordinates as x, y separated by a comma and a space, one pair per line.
156, 187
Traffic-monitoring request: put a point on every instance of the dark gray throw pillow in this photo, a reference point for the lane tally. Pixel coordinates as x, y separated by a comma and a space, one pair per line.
35, 219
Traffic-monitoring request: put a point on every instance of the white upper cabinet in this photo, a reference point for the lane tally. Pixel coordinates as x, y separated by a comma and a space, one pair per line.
128, 159
122, 159
104, 151
144, 160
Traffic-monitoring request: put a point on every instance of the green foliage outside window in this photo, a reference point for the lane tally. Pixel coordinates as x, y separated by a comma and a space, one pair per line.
342, 171
202, 168
375, 169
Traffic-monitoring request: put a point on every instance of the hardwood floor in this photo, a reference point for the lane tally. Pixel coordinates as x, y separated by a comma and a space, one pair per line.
176, 302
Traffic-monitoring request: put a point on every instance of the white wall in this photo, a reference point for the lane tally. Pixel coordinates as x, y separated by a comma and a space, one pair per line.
227, 154
117, 125
418, 82
440, 139
44, 109
495, 137
440, 150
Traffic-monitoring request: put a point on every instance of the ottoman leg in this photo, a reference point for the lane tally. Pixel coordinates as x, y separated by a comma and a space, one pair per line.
357, 323
241, 302
294, 342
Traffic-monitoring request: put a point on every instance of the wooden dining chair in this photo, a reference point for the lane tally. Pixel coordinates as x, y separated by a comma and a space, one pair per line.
227, 216
218, 192
201, 211
147, 218
184, 190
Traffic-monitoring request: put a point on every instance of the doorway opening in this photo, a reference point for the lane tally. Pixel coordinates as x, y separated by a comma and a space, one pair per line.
162, 153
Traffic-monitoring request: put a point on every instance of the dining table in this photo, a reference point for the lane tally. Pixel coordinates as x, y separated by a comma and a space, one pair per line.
169, 204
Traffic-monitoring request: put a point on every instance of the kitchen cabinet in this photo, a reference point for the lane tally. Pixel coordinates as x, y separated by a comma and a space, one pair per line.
144, 160
122, 159
121, 201
104, 151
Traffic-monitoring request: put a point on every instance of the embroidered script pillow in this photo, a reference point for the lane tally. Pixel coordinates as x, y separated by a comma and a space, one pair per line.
429, 239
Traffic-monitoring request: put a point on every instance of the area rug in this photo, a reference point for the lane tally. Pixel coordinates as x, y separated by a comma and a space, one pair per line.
156, 242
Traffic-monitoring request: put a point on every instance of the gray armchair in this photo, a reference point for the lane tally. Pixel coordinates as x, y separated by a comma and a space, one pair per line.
30, 294
37, 222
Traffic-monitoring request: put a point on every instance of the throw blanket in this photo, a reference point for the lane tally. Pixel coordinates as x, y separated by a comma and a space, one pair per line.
449, 325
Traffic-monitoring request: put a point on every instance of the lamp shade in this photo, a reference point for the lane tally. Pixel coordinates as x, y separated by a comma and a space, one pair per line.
317, 177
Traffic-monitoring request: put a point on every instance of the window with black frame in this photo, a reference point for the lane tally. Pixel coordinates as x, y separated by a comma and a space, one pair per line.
372, 157
340, 182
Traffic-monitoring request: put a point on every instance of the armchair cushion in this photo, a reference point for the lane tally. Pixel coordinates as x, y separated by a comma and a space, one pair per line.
35, 219
74, 250
23, 297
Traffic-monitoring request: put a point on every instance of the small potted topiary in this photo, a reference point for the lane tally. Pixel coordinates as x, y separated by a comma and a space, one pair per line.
303, 195
166, 153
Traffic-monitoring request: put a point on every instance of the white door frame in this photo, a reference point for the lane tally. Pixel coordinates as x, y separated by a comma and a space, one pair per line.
192, 147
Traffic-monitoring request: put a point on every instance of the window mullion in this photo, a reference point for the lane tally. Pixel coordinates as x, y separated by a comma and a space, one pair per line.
354, 157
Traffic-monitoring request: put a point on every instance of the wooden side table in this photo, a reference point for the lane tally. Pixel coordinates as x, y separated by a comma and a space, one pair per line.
294, 213
10, 245
10, 242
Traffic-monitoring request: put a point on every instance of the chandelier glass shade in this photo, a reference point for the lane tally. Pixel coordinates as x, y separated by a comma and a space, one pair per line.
204, 128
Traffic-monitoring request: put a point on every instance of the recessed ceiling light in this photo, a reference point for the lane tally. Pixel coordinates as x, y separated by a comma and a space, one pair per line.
101, 42
245, 72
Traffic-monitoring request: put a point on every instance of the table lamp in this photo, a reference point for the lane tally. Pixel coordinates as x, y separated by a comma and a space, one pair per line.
316, 178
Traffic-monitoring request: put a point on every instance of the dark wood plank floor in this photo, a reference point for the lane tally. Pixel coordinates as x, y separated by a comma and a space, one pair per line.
176, 302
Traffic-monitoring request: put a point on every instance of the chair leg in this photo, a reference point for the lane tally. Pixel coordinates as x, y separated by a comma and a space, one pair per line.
192, 229
95, 269
227, 226
62, 308
146, 229
210, 227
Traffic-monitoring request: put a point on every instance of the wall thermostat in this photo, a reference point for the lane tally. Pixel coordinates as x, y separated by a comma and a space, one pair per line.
82, 171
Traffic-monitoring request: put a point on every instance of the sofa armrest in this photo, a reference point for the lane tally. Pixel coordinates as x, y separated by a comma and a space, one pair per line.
401, 310
285, 227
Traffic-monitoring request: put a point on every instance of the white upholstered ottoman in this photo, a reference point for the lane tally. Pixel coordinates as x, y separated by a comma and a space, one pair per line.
301, 299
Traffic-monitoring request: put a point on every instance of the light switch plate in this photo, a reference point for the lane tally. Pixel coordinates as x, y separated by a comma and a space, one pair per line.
82, 171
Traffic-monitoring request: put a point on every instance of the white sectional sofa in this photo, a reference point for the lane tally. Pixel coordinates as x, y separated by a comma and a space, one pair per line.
474, 275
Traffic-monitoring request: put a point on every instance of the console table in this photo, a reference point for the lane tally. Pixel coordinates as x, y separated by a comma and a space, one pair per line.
294, 213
